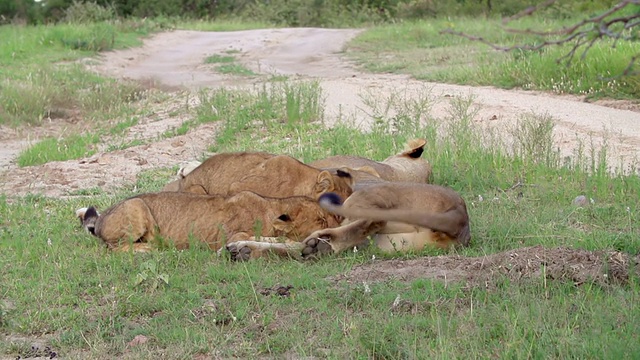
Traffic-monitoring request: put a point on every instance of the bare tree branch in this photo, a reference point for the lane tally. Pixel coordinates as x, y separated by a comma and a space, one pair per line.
583, 35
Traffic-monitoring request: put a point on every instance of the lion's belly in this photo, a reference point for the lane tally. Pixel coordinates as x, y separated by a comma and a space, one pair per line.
402, 237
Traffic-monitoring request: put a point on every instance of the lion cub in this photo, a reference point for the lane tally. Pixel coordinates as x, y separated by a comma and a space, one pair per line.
407, 166
134, 223
266, 174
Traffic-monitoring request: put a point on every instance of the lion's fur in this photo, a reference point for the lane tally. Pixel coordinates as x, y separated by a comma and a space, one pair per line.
403, 216
178, 217
266, 174
407, 166
398, 216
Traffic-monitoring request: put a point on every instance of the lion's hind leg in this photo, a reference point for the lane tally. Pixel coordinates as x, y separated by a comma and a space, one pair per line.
129, 226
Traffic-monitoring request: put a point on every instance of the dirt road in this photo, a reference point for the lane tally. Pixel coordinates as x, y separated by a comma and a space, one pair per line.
176, 60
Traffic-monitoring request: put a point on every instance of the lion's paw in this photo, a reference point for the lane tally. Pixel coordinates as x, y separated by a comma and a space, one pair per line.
315, 246
239, 251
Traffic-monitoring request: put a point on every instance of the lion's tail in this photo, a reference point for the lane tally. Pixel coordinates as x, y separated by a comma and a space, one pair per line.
453, 222
88, 217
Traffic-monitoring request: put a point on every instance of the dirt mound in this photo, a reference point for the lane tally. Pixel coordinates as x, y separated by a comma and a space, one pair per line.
565, 264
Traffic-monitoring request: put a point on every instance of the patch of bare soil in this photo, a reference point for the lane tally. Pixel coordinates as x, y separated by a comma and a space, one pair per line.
35, 348
564, 264
109, 169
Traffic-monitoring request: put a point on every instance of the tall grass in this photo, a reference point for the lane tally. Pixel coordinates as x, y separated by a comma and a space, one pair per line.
39, 73
270, 104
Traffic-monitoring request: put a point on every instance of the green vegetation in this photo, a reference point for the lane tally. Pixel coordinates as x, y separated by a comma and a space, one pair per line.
189, 303
216, 59
53, 149
222, 24
61, 286
235, 69
328, 13
419, 49
41, 73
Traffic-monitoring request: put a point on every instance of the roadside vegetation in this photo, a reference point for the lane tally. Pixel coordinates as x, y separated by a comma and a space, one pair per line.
61, 288
418, 48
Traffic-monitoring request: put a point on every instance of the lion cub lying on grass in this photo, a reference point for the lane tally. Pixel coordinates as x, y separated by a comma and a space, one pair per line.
270, 175
399, 217
134, 223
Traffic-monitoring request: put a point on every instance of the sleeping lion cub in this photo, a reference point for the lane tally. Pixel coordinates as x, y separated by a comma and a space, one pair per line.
137, 223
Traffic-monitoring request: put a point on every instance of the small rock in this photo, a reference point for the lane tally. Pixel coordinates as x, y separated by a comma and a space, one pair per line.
580, 201
178, 143
138, 340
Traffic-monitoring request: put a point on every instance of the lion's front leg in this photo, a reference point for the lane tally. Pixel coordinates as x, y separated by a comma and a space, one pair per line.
243, 250
336, 240
138, 247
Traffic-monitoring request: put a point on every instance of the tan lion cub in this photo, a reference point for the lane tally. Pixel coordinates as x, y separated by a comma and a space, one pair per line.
266, 174
134, 223
406, 166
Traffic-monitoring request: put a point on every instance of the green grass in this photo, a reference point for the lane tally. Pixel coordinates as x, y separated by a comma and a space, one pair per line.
235, 69
41, 78
61, 285
229, 66
53, 149
40, 74
216, 59
419, 49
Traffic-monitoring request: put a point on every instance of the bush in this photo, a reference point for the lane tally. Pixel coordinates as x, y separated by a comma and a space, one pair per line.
94, 37
87, 12
315, 13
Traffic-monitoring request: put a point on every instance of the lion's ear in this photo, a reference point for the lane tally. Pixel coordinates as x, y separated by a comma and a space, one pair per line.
282, 222
324, 182
414, 148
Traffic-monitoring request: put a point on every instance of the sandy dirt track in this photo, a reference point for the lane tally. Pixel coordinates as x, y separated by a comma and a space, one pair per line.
175, 60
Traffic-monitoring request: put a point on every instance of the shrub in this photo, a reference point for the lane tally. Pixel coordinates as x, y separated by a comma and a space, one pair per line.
87, 12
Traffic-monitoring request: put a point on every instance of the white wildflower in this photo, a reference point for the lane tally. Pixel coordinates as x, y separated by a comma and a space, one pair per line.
367, 289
